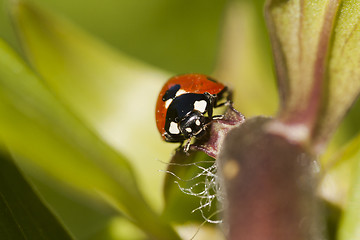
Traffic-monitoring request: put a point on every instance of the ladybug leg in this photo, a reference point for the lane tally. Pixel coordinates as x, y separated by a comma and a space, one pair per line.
186, 146
218, 117
230, 106
226, 94
210, 111
211, 103
227, 103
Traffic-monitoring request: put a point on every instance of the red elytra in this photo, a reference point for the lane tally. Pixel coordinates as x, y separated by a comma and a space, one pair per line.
189, 83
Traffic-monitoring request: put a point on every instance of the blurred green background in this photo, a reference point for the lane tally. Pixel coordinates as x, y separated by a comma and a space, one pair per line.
179, 36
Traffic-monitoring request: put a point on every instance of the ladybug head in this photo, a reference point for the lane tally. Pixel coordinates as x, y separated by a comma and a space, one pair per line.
193, 124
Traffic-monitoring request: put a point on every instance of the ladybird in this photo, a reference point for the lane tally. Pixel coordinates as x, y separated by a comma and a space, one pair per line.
185, 105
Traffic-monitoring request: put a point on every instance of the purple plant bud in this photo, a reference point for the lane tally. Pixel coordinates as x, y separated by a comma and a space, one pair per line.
269, 185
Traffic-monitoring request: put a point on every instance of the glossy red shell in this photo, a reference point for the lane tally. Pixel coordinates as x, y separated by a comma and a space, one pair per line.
192, 83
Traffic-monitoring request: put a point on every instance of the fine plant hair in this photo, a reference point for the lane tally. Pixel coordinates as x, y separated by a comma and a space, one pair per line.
204, 185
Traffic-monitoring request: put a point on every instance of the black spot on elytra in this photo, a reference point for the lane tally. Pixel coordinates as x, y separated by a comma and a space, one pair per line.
171, 92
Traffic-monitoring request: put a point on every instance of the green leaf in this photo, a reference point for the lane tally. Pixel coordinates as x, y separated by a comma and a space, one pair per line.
339, 172
22, 214
82, 216
339, 185
317, 53
49, 137
114, 94
300, 31
295, 29
347, 152
343, 69
350, 221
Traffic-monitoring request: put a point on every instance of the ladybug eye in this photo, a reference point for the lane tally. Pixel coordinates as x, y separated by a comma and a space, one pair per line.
171, 92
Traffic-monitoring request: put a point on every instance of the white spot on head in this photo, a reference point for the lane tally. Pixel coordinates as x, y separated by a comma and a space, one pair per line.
180, 92
200, 105
197, 122
168, 102
173, 129
188, 130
